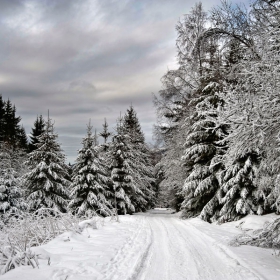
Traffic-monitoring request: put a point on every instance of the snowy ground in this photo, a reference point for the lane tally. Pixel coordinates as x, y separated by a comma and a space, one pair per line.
151, 246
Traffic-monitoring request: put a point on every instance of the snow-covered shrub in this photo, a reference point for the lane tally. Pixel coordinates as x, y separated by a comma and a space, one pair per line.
12, 256
26, 230
268, 237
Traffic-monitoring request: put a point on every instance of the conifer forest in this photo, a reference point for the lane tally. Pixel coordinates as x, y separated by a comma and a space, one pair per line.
216, 150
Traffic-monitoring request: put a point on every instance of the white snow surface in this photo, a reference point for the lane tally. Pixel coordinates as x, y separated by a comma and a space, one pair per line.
156, 245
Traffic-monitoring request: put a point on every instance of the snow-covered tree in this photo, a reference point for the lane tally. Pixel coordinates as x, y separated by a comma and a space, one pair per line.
90, 180
139, 162
201, 146
11, 191
46, 182
121, 173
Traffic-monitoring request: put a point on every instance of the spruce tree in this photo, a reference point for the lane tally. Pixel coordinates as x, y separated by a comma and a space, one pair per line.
121, 174
11, 191
46, 182
10, 130
39, 128
90, 181
140, 162
22, 140
11, 124
132, 126
105, 134
201, 184
2, 112
237, 193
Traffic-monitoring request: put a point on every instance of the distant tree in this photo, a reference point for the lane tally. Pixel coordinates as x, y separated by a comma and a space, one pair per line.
2, 112
46, 182
90, 181
11, 124
95, 138
39, 128
22, 138
140, 162
132, 126
105, 134
121, 174
10, 131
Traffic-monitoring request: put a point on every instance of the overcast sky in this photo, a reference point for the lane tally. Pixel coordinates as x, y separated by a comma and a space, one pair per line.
87, 60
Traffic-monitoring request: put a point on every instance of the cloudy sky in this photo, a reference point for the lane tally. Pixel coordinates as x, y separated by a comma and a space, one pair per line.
87, 59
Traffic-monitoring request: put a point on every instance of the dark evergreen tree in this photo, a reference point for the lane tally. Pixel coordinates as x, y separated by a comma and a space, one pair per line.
39, 128
132, 126
10, 131
105, 134
90, 188
22, 139
11, 124
46, 182
2, 113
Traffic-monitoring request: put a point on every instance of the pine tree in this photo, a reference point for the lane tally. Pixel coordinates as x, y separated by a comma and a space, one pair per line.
201, 184
132, 126
90, 181
11, 192
11, 124
105, 134
46, 182
237, 193
140, 162
121, 173
22, 138
2, 112
39, 128
10, 130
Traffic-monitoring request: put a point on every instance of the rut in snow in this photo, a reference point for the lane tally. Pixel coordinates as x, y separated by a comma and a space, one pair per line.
177, 250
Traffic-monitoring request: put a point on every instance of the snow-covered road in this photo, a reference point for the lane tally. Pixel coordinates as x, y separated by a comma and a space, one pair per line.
179, 251
156, 245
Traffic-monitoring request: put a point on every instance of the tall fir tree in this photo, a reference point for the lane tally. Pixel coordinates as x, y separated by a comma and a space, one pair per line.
140, 162
2, 112
201, 184
105, 134
39, 128
10, 130
46, 182
11, 191
90, 181
121, 174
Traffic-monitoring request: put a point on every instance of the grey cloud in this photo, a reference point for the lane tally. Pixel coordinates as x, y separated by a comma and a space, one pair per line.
86, 59
81, 86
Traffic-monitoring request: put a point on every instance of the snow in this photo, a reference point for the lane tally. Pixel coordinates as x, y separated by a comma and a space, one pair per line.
153, 245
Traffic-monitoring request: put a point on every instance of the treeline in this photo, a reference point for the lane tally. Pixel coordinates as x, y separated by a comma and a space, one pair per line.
10, 131
219, 113
114, 176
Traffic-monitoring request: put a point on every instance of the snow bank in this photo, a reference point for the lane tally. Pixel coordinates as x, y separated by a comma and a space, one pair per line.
98, 252
260, 260
124, 250
252, 222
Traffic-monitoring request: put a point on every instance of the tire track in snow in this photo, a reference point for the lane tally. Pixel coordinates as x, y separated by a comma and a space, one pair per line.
180, 251
127, 260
